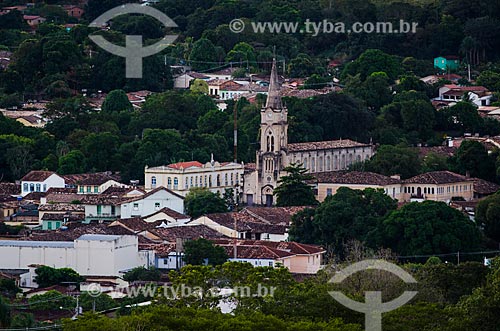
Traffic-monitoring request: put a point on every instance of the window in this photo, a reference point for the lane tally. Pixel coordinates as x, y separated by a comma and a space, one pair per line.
186, 183
320, 163
136, 206
232, 180
328, 163
25, 187
96, 189
196, 181
113, 210
32, 187
225, 180
270, 263
99, 209
210, 181
153, 182
328, 191
157, 206
45, 187
191, 181
49, 225
80, 188
335, 163
169, 182
58, 225
313, 165
89, 189
176, 183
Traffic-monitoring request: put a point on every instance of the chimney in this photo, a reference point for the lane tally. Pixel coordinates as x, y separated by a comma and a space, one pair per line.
396, 176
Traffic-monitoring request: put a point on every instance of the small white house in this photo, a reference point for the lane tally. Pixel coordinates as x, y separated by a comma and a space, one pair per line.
40, 181
152, 202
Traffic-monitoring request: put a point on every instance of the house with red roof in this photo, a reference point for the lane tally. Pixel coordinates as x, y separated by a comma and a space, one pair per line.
451, 94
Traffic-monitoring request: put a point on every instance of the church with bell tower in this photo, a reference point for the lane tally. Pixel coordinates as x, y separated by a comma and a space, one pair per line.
275, 153
271, 157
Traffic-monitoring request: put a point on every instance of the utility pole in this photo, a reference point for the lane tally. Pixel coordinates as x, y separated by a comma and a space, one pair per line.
235, 126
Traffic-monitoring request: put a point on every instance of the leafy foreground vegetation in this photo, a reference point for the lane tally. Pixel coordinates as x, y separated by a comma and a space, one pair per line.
451, 297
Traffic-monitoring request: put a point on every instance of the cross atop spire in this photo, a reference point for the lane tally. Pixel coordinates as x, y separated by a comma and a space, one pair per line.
273, 96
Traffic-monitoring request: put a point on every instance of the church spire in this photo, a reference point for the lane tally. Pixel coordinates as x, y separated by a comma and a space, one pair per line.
273, 96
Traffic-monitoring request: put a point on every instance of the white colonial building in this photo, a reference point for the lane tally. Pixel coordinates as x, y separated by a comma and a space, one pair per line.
276, 153
181, 177
40, 181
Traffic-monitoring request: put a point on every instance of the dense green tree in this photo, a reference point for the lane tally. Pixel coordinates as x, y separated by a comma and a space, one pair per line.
202, 251
203, 55
116, 101
72, 163
489, 79
200, 201
47, 276
472, 158
8, 288
293, 189
23, 320
395, 160
478, 311
373, 60
142, 274
429, 227
488, 216
349, 214
4, 313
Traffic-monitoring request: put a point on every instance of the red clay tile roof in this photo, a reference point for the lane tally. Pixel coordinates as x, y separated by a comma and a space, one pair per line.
484, 187
75, 230
246, 223
319, 145
34, 196
288, 246
62, 207
151, 193
437, 177
256, 252
97, 178
184, 165
170, 212
191, 232
274, 215
354, 177
63, 217
135, 224
161, 250
9, 189
37, 176
438, 150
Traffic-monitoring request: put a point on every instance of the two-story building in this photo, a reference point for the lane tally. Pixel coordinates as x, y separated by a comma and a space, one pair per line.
40, 181
151, 202
181, 177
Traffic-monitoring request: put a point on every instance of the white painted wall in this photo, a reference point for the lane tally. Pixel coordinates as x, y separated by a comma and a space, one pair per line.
97, 255
53, 180
147, 206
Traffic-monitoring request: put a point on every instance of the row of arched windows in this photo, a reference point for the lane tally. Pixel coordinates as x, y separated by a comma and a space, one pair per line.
199, 181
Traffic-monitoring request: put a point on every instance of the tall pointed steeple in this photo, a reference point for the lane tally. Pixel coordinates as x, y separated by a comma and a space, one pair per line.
273, 96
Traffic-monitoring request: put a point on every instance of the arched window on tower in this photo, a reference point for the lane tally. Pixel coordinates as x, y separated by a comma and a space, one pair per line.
272, 143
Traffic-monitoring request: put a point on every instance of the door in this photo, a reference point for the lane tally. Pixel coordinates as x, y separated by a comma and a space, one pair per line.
250, 199
269, 200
